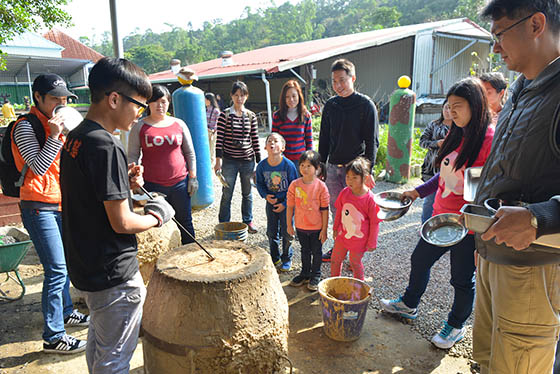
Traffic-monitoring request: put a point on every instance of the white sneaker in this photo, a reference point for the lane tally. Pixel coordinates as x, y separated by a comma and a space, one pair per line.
76, 319
448, 336
398, 306
65, 345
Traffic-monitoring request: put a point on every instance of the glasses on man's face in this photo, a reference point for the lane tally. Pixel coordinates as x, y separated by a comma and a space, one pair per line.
141, 106
497, 38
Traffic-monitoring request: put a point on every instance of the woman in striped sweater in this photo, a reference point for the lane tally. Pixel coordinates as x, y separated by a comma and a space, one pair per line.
237, 151
293, 121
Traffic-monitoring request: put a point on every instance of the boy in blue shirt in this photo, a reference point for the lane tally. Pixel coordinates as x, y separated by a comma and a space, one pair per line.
274, 175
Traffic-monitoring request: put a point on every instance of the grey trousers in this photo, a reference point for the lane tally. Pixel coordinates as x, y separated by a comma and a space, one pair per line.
115, 314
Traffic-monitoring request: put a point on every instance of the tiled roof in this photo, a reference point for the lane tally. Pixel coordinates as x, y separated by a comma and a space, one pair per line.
72, 47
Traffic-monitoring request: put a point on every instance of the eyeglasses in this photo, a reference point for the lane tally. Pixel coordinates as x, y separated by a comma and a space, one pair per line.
142, 106
497, 38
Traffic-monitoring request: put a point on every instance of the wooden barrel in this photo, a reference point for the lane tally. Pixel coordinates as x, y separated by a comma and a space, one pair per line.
225, 316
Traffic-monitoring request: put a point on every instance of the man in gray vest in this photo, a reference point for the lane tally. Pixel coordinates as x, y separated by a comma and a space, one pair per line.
517, 308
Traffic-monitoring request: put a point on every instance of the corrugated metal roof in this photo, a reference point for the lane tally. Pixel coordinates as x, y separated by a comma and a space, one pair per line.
72, 47
286, 56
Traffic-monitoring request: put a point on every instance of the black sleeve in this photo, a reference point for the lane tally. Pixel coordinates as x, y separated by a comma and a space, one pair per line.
558, 136
370, 129
108, 172
548, 216
324, 134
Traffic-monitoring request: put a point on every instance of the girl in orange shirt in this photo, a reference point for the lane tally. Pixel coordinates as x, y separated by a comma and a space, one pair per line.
308, 197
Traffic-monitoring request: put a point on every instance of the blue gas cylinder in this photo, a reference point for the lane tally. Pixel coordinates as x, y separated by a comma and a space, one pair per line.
189, 105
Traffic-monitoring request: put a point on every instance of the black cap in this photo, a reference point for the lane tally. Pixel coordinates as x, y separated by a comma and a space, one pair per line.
51, 84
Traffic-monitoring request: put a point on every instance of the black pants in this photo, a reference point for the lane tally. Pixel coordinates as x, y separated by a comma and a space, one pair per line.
311, 253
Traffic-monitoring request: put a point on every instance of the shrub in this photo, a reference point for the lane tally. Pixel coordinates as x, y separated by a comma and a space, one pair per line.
417, 156
418, 153
382, 150
316, 127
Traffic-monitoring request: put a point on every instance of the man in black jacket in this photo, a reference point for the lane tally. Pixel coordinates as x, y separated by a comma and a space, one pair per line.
349, 128
517, 308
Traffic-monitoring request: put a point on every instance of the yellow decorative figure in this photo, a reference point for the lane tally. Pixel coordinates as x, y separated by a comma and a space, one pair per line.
404, 81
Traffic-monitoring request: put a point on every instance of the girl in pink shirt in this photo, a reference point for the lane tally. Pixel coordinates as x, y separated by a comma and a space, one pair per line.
308, 197
356, 224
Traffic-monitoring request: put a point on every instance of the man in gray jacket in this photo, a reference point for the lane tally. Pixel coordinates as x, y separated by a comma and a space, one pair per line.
517, 308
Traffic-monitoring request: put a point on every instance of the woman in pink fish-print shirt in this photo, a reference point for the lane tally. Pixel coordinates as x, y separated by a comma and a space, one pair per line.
467, 144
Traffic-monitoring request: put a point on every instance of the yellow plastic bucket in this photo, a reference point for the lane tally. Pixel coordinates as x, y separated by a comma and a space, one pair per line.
344, 302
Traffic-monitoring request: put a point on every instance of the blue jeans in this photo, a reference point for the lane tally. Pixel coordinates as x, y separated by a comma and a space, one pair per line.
462, 276
336, 182
276, 230
311, 253
45, 230
178, 197
230, 168
428, 207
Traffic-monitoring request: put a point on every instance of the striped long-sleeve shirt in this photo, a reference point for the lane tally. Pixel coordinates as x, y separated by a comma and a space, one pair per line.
297, 133
238, 136
212, 115
38, 159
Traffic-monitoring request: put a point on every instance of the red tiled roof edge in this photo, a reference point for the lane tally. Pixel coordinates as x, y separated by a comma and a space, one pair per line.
73, 48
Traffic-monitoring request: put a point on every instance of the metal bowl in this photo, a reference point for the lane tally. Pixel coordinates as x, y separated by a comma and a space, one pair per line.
392, 200
444, 230
391, 215
477, 218
494, 204
472, 178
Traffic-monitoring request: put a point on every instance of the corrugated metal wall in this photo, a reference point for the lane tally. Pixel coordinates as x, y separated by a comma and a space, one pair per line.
257, 92
377, 68
445, 48
422, 62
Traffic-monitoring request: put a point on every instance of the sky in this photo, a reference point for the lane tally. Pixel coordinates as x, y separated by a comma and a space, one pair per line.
92, 18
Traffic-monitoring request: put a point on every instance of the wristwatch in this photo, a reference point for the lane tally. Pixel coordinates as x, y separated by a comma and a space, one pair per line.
534, 221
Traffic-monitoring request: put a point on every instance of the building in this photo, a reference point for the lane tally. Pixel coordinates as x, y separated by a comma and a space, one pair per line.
31, 54
434, 55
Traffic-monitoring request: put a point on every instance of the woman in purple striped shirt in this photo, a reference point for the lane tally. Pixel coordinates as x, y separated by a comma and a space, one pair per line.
293, 121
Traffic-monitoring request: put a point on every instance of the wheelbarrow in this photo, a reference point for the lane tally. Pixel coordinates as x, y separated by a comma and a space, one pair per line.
10, 257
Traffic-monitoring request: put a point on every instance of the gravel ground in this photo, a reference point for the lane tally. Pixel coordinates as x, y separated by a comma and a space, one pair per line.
386, 269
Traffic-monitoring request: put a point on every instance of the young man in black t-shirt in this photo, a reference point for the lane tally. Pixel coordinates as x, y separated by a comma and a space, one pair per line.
97, 221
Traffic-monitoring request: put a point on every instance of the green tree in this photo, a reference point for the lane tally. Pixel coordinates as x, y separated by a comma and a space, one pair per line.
85, 40
19, 16
471, 9
286, 23
357, 16
419, 11
152, 57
